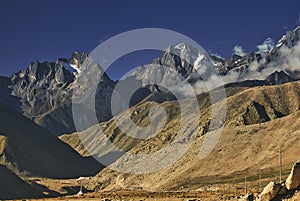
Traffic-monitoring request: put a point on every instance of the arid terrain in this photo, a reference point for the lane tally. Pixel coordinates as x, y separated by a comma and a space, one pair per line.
245, 159
236, 141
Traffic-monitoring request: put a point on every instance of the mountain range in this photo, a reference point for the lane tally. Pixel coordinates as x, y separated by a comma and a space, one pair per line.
262, 98
44, 90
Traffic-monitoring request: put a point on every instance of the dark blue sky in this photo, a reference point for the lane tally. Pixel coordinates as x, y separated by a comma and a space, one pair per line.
46, 30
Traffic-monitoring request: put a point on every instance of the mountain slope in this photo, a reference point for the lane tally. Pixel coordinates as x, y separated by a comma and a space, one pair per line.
259, 120
253, 110
30, 149
12, 187
240, 152
6, 96
58, 120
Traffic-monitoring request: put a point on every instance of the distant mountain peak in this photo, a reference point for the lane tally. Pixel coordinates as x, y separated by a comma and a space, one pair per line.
76, 61
185, 46
278, 77
290, 38
46, 90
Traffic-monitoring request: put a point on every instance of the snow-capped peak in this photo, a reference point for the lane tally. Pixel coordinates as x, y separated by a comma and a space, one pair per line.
187, 49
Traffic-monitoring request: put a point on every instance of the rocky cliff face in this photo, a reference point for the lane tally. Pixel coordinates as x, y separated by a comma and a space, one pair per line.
46, 91
176, 64
42, 87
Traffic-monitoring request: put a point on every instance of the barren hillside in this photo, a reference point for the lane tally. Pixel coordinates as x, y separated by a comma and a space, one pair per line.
259, 121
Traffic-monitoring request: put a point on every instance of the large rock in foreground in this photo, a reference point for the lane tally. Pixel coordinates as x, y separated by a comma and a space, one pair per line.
270, 192
293, 180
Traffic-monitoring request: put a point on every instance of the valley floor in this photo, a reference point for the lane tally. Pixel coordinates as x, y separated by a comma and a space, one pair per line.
215, 192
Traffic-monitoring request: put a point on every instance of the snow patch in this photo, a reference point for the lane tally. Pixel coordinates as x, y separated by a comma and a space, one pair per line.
75, 67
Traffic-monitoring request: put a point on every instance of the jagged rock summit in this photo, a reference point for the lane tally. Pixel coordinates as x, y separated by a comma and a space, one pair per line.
45, 91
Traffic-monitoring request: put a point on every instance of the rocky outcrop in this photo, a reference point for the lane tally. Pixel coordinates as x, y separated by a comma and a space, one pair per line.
46, 90
270, 192
293, 180
274, 191
41, 87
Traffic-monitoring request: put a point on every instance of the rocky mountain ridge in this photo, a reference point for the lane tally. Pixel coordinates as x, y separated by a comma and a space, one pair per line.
45, 89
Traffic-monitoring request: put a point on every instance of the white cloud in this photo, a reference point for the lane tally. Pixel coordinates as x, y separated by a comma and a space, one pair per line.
266, 46
238, 50
288, 60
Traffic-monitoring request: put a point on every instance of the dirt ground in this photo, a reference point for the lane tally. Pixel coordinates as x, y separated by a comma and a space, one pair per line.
215, 193
219, 191
139, 196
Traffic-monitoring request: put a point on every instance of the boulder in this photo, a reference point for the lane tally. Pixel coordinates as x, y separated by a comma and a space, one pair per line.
270, 192
293, 180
